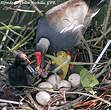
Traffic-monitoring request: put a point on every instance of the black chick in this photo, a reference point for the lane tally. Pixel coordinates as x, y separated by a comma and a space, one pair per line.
18, 72
63, 26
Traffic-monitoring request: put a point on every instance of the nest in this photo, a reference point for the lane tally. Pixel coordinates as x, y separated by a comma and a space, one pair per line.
17, 37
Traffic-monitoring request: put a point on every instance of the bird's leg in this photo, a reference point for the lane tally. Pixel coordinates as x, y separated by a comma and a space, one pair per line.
72, 66
88, 49
81, 37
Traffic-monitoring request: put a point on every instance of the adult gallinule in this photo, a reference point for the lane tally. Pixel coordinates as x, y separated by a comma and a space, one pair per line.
63, 26
18, 72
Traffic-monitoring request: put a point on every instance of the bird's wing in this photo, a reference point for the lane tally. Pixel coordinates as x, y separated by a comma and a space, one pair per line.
67, 16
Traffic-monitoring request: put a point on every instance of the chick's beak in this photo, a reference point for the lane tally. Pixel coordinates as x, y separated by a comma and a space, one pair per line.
22, 55
32, 71
29, 67
27, 60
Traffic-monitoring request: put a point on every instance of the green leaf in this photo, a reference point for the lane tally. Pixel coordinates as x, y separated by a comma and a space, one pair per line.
78, 68
88, 80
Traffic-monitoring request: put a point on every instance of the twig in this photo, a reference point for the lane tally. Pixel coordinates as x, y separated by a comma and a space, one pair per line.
12, 102
37, 82
104, 34
101, 54
55, 99
92, 40
21, 10
65, 99
36, 8
73, 63
5, 36
107, 16
69, 104
85, 63
4, 108
32, 101
103, 70
23, 40
106, 31
8, 28
59, 67
85, 94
